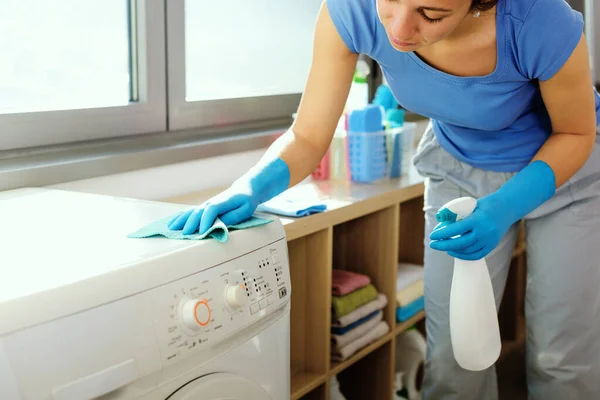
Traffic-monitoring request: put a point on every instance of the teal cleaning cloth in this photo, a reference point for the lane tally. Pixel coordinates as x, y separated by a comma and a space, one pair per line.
217, 231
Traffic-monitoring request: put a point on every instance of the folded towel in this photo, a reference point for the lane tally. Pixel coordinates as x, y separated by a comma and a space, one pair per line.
341, 340
380, 330
344, 282
406, 312
291, 207
218, 230
410, 293
343, 305
408, 274
377, 304
341, 330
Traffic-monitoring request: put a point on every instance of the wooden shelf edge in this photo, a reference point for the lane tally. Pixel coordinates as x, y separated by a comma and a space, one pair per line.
304, 226
519, 250
403, 326
304, 382
336, 367
509, 347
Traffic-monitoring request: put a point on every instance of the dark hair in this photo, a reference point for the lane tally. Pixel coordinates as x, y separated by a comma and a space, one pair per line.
483, 5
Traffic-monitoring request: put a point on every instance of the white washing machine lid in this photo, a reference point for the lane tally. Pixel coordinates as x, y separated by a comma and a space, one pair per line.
221, 386
66, 252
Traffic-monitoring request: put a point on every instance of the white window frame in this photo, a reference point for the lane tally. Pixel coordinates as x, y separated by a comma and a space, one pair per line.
148, 114
184, 115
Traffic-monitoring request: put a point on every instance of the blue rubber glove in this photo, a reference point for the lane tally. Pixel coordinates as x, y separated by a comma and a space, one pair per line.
239, 201
477, 235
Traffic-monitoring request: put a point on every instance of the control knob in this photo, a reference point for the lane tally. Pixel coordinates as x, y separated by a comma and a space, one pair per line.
196, 313
235, 296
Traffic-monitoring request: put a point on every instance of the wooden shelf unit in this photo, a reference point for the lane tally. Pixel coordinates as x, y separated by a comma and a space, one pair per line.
369, 230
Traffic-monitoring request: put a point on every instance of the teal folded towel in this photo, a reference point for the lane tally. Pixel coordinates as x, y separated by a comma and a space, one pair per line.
406, 312
217, 231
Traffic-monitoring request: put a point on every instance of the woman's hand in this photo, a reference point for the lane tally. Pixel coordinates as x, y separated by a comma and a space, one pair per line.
477, 235
232, 206
236, 204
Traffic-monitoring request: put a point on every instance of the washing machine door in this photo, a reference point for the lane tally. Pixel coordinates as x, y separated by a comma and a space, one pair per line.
220, 386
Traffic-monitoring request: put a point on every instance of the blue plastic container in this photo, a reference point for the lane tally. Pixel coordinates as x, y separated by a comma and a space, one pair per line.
367, 152
400, 149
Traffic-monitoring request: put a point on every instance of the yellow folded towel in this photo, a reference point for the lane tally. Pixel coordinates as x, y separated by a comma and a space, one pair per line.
410, 293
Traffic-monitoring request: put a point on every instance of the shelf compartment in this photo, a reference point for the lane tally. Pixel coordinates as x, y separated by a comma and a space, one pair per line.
412, 232
310, 270
368, 245
371, 376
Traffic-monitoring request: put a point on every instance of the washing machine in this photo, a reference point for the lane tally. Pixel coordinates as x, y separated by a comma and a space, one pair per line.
88, 313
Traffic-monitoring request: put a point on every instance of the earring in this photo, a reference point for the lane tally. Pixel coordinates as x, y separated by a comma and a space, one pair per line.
476, 14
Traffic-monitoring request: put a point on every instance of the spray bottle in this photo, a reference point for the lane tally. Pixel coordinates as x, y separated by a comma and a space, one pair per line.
474, 329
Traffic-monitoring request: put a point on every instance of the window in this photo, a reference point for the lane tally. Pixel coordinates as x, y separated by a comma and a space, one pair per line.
46, 66
237, 61
77, 70
80, 69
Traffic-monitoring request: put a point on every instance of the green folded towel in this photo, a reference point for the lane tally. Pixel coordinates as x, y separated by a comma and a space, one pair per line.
217, 231
343, 305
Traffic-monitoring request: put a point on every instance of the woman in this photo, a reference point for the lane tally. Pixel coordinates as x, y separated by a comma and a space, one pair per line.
508, 88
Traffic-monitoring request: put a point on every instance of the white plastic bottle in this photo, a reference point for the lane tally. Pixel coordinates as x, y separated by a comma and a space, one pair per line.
358, 97
474, 328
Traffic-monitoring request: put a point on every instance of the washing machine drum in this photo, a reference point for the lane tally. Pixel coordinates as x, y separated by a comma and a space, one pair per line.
220, 386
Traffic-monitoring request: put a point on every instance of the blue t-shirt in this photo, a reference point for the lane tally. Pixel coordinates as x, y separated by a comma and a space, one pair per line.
496, 122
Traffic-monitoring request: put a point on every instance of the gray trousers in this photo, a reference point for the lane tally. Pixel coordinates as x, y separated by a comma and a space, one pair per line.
563, 283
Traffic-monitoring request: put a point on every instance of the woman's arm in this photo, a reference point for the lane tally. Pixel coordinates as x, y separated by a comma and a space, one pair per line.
569, 99
303, 146
294, 155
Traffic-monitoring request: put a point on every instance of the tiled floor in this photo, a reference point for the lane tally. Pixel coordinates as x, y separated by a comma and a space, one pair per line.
511, 377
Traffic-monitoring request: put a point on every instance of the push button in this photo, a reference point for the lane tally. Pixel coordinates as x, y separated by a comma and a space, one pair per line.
254, 308
263, 304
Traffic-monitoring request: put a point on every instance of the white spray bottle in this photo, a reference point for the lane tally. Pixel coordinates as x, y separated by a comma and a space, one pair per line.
474, 329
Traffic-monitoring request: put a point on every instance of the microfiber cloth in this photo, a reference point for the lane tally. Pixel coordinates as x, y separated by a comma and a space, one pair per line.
340, 340
217, 231
344, 305
355, 324
291, 207
379, 331
362, 311
408, 311
344, 282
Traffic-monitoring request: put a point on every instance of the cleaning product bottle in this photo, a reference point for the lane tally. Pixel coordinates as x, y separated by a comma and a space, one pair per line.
474, 329
358, 97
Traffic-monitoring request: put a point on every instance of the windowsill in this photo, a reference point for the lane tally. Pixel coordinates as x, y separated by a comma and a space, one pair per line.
60, 164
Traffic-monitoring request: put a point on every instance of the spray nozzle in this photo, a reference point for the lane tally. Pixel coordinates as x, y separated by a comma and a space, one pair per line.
455, 210
445, 215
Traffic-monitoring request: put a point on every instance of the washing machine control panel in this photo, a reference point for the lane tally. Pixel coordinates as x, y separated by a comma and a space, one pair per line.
202, 309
